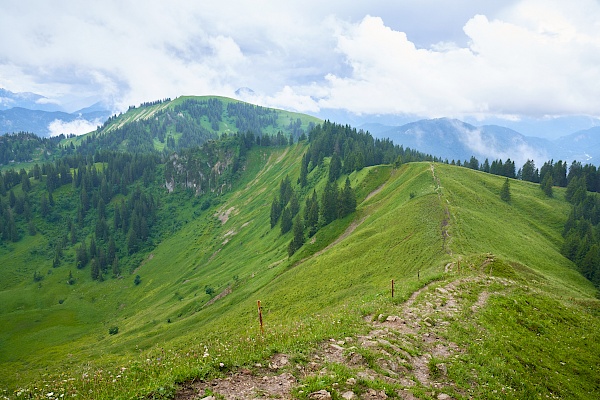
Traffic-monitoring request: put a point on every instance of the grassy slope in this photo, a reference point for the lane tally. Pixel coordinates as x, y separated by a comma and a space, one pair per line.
227, 125
397, 235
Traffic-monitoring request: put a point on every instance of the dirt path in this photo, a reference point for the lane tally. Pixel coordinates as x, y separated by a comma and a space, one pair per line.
407, 348
445, 224
374, 192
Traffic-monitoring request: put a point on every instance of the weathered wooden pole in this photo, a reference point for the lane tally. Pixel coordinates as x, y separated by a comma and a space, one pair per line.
262, 329
392, 288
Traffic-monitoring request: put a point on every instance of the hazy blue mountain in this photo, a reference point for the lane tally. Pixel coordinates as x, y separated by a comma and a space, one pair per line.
582, 146
27, 100
549, 128
20, 119
456, 140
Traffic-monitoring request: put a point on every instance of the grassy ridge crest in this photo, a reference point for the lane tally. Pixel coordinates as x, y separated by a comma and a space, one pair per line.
416, 224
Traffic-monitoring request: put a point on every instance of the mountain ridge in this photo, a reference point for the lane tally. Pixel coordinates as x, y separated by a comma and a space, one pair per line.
152, 328
442, 137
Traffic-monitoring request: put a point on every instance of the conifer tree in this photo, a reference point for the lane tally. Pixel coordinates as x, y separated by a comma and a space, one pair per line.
95, 270
286, 220
275, 212
81, 256
302, 180
335, 167
70, 279
505, 191
546, 185
25, 183
329, 203
116, 271
294, 204
132, 241
311, 214
72, 232
285, 192
93, 249
111, 250
347, 200
298, 239
12, 200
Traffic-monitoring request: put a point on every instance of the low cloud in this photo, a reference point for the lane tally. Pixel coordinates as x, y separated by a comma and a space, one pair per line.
520, 58
76, 127
486, 146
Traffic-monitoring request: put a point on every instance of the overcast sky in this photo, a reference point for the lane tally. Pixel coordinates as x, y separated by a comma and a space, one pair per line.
479, 58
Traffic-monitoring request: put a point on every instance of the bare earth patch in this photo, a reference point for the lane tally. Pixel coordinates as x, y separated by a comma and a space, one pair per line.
224, 215
244, 384
407, 348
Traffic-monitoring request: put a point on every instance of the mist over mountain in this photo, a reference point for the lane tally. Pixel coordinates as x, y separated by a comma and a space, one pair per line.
49, 123
567, 138
32, 112
28, 100
457, 140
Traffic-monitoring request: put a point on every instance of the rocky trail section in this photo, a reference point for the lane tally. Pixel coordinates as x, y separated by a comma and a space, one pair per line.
405, 354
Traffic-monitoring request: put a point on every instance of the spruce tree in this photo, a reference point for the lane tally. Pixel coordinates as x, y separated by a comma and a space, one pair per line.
93, 248
95, 270
302, 180
132, 241
311, 214
347, 200
275, 212
116, 271
286, 220
546, 185
70, 279
81, 256
285, 192
329, 203
335, 167
505, 191
298, 239
294, 204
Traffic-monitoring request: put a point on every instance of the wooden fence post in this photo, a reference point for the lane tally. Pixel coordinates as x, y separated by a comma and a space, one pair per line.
262, 329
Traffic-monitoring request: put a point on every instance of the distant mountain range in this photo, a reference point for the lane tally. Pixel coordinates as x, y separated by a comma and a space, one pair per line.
456, 140
27, 100
447, 138
31, 112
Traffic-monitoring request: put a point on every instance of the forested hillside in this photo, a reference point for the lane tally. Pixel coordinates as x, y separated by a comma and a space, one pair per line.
131, 265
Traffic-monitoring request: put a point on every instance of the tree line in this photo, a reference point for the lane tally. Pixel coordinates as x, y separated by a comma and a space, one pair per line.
582, 229
91, 204
24, 146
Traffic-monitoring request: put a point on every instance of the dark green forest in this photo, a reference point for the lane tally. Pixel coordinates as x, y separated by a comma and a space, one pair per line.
101, 202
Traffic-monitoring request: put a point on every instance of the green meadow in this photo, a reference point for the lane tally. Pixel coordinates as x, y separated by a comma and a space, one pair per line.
193, 315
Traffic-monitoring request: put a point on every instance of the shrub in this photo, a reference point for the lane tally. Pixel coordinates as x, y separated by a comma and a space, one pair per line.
113, 330
209, 290
205, 205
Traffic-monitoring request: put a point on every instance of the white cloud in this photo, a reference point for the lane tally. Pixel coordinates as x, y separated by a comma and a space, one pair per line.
76, 127
45, 100
527, 57
487, 146
541, 64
